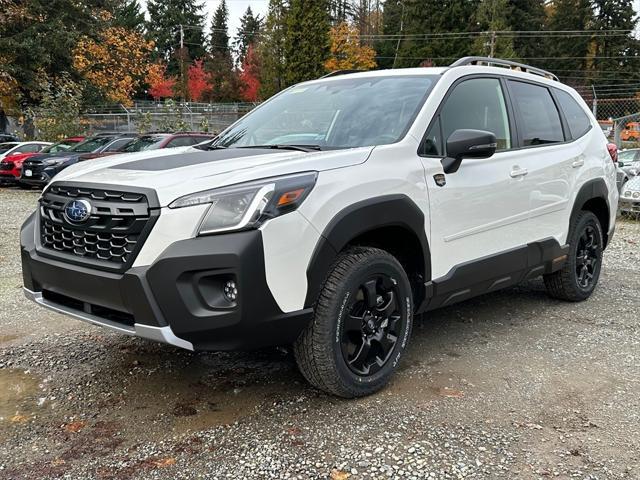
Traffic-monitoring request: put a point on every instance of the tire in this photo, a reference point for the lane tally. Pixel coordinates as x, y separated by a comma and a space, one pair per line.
348, 349
573, 283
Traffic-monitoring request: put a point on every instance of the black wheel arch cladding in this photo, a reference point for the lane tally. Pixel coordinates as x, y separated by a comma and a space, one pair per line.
593, 195
361, 218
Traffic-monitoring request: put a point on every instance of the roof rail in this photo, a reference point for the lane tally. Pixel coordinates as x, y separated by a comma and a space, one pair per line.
504, 63
335, 73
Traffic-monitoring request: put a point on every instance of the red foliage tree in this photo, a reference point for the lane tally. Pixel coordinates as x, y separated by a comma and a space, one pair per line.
250, 76
160, 86
198, 81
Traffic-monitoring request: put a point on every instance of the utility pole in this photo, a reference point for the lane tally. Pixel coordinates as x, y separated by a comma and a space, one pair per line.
181, 55
492, 51
395, 58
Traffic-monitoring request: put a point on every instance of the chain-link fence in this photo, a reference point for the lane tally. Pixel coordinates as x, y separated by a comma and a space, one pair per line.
168, 116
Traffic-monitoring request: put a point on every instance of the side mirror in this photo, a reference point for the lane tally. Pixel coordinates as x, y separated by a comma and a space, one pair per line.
620, 164
465, 143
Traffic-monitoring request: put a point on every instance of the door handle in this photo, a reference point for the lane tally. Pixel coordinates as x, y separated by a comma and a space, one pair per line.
578, 163
518, 172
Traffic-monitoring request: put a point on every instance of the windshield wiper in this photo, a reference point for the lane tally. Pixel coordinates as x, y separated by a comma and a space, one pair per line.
284, 146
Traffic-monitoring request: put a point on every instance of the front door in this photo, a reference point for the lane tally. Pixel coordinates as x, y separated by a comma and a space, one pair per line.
483, 208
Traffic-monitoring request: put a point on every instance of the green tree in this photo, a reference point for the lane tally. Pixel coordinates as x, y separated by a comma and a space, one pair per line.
219, 65
37, 38
306, 40
173, 21
250, 26
271, 49
528, 16
59, 113
128, 14
614, 51
426, 36
492, 17
571, 51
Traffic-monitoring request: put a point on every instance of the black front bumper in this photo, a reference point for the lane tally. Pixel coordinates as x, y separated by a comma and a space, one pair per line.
182, 290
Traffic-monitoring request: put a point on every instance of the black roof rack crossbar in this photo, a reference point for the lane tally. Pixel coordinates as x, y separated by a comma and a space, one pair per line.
503, 63
335, 73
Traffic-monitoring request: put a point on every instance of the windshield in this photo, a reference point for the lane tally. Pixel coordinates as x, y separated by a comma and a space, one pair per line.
345, 113
627, 155
57, 147
5, 147
90, 144
144, 143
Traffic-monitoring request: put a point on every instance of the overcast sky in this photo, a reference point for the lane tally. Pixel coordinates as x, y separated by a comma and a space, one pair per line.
238, 7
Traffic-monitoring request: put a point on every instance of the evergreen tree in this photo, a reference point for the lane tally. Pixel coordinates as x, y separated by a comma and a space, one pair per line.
492, 17
421, 20
306, 40
164, 28
392, 14
37, 39
128, 14
219, 65
615, 52
219, 41
248, 32
528, 15
570, 51
271, 49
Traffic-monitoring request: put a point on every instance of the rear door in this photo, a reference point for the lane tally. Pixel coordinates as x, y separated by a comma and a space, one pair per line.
552, 160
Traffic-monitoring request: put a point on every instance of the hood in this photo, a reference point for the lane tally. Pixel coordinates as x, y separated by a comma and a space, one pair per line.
45, 156
18, 158
175, 172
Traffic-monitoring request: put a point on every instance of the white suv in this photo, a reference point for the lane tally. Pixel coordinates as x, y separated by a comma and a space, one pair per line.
332, 214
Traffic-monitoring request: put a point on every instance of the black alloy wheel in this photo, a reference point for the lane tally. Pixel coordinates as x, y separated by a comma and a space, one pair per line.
587, 257
370, 331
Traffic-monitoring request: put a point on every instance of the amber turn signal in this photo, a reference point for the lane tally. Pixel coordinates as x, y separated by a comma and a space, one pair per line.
288, 198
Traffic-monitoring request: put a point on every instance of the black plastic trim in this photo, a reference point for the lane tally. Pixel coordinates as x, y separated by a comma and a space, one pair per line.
385, 211
595, 188
495, 272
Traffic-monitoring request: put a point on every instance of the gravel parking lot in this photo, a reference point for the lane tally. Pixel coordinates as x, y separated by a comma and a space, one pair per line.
510, 385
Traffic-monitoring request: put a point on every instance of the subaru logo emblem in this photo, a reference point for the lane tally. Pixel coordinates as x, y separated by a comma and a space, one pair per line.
77, 211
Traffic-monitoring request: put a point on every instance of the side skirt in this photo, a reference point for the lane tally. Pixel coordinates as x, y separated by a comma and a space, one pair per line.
494, 272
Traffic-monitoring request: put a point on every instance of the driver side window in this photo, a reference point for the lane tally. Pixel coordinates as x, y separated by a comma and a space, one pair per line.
476, 104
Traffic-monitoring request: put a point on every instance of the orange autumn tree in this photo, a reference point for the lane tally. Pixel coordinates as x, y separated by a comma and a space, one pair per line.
160, 86
346, 51
115, 63
198, 81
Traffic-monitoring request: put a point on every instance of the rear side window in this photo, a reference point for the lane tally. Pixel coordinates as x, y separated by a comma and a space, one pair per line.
578, 121
539, 120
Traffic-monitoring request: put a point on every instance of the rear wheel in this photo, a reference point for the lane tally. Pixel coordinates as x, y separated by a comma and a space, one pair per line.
361, 325
579, 276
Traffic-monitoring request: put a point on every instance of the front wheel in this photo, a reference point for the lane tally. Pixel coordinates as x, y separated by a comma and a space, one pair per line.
361, 325
579, 276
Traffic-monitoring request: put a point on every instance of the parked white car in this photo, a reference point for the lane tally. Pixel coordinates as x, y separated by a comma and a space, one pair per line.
332, 214
630, 196
12, 148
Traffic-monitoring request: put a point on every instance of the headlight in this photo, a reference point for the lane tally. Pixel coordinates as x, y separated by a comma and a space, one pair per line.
55, 161
247, 205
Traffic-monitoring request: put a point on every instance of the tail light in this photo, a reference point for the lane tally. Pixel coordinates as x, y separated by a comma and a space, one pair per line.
613, 152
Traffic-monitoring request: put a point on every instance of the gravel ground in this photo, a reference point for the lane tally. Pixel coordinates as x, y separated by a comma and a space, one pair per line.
509, 385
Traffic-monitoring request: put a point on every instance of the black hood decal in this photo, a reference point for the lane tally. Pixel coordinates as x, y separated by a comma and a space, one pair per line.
187, 159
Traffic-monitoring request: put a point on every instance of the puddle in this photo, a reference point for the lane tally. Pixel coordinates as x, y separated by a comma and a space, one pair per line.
18, 395
8, 338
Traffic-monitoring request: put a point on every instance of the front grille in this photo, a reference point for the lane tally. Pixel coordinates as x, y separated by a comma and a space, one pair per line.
6, 166
110, 237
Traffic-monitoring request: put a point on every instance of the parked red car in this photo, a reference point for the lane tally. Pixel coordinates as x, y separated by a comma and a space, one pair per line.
11, 167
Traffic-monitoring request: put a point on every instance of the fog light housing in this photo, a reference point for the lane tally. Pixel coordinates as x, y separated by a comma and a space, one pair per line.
230, 290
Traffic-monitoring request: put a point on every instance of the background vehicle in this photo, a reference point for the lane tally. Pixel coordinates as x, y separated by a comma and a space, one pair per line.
152, 142
155, 141
630, 197
333, 213
11, 148
11, 167
7, 137
631, 132
39, 169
